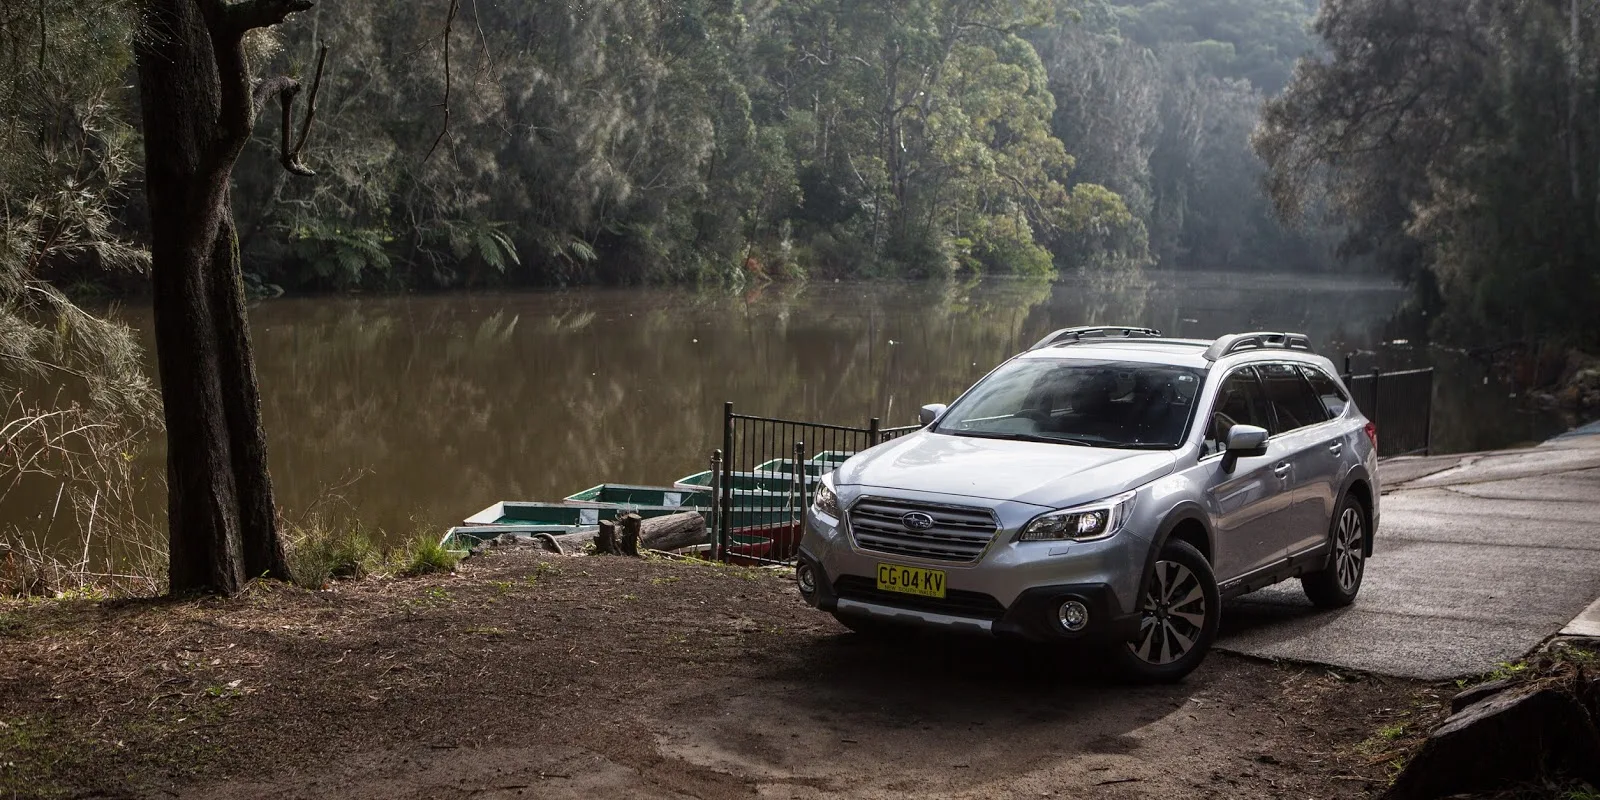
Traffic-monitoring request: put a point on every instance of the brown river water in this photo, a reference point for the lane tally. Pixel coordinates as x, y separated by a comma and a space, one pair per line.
425, 409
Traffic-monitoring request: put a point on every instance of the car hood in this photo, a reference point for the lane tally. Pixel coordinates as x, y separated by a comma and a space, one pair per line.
1040, 473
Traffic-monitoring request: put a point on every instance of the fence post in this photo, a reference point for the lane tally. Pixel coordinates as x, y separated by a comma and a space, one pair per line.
1377, 375
1427, 436
714, 525
800, 492
872, 432
724, 532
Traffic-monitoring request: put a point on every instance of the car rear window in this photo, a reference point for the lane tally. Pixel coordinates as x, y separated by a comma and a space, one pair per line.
1328, 390
1294, 403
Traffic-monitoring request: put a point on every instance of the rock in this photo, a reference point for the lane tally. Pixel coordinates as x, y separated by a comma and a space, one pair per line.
1482, 691
1507, 738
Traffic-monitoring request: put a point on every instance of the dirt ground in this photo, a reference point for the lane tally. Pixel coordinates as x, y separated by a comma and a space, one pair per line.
529, 675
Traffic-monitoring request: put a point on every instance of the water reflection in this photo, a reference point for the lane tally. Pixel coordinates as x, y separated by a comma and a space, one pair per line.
444, 404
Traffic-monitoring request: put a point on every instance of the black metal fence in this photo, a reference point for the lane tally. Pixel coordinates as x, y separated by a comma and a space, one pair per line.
765, 475
1400, 404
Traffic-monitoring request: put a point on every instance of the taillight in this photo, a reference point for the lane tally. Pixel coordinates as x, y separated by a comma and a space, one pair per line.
1372, 433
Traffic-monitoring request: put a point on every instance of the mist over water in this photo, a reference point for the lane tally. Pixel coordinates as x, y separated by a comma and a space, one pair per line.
424, 409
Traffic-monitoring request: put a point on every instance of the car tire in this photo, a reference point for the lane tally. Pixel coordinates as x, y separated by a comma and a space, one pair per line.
1180, 609
1336, 585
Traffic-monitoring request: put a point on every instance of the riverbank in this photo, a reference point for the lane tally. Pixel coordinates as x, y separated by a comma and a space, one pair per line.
532, 675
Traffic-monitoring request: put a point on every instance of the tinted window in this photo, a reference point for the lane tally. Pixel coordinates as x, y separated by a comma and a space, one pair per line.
1072, 401
1295, 405
1328, 391
1240, 401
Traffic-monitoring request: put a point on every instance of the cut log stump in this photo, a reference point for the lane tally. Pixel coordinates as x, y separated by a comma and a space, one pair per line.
630, 524
605, 543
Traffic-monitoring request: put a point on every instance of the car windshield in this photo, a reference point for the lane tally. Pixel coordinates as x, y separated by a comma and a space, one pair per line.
1093, 403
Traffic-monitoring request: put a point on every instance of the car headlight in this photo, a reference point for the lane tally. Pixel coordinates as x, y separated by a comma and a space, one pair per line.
1084, 523
826, 502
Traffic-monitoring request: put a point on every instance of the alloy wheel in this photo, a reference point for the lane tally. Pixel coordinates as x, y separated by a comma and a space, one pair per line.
1173, 615
1347, 541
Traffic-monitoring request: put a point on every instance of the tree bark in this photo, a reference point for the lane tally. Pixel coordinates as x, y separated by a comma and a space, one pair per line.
198, 110
673, 531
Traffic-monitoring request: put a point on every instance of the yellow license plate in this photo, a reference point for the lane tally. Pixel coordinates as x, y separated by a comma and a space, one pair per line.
911, 580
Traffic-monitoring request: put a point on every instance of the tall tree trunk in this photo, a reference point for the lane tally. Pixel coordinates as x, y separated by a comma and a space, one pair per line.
198, 108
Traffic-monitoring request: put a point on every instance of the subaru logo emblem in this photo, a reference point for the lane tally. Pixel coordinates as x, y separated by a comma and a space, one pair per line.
917, 521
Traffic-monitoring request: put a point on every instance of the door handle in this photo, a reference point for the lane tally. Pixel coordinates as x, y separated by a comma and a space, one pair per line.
1282, 470
1336, 448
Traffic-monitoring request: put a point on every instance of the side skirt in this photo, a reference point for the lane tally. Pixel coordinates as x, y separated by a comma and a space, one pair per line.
1301, 563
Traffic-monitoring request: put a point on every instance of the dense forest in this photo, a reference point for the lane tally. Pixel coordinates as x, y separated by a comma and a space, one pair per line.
473, 144
1459, 143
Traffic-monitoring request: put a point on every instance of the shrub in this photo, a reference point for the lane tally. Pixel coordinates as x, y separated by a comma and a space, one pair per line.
425, 554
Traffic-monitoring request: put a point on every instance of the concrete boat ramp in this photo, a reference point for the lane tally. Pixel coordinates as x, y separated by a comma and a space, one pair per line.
1478, 559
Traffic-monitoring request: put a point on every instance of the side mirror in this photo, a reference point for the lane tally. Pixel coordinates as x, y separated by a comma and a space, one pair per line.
1244, 441
931, 413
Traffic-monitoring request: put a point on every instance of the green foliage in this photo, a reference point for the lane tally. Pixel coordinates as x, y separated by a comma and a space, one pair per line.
1462, 142
426, 555
65, 156
321, 551
628, 141
1157, 101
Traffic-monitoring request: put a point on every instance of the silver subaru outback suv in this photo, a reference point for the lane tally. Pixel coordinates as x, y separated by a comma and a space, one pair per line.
1109, 486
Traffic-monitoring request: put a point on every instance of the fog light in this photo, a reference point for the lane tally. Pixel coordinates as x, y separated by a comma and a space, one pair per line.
1074, 615
806, 578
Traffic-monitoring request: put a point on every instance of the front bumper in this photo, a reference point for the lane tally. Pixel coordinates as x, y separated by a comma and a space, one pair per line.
1012, 591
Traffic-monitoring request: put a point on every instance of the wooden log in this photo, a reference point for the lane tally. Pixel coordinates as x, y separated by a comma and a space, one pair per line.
673, 531
605, 543
630, 525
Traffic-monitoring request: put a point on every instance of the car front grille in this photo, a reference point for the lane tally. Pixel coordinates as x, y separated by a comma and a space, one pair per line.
959, 533
956, 603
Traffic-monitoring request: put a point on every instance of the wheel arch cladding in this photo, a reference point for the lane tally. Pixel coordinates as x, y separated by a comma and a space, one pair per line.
1362, 492
1185, 524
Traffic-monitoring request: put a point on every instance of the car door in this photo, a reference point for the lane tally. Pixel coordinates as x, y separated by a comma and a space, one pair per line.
1311, 446
1324, 486
1249, 502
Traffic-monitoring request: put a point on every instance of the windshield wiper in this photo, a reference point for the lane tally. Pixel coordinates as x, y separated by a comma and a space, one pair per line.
1029, 437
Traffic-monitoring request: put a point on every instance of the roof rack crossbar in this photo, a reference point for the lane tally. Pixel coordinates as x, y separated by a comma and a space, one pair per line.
1258, 340
1073, 335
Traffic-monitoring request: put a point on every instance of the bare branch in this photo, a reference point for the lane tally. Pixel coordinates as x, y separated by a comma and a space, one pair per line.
287, 89
268, 88
291, 156
449, 22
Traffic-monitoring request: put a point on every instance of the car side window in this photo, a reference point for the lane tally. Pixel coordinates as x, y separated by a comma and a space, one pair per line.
1240, 401
1294, 403
1328, 391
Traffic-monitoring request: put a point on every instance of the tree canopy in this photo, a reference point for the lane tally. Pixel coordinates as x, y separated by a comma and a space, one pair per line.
691, 140
1460, 141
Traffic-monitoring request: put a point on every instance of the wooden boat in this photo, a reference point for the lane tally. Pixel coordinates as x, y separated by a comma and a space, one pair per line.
626, 494
764, 519
575, 515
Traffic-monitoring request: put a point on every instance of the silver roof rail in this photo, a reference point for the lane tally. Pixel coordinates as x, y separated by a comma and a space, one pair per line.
1072, 335
1259, 340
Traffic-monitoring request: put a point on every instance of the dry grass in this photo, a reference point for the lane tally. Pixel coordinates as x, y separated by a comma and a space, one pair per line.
64, 465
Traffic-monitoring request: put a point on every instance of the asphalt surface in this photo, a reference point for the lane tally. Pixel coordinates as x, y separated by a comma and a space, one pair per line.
1478, 559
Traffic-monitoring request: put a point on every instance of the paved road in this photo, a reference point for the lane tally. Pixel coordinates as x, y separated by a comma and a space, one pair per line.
1478, 559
